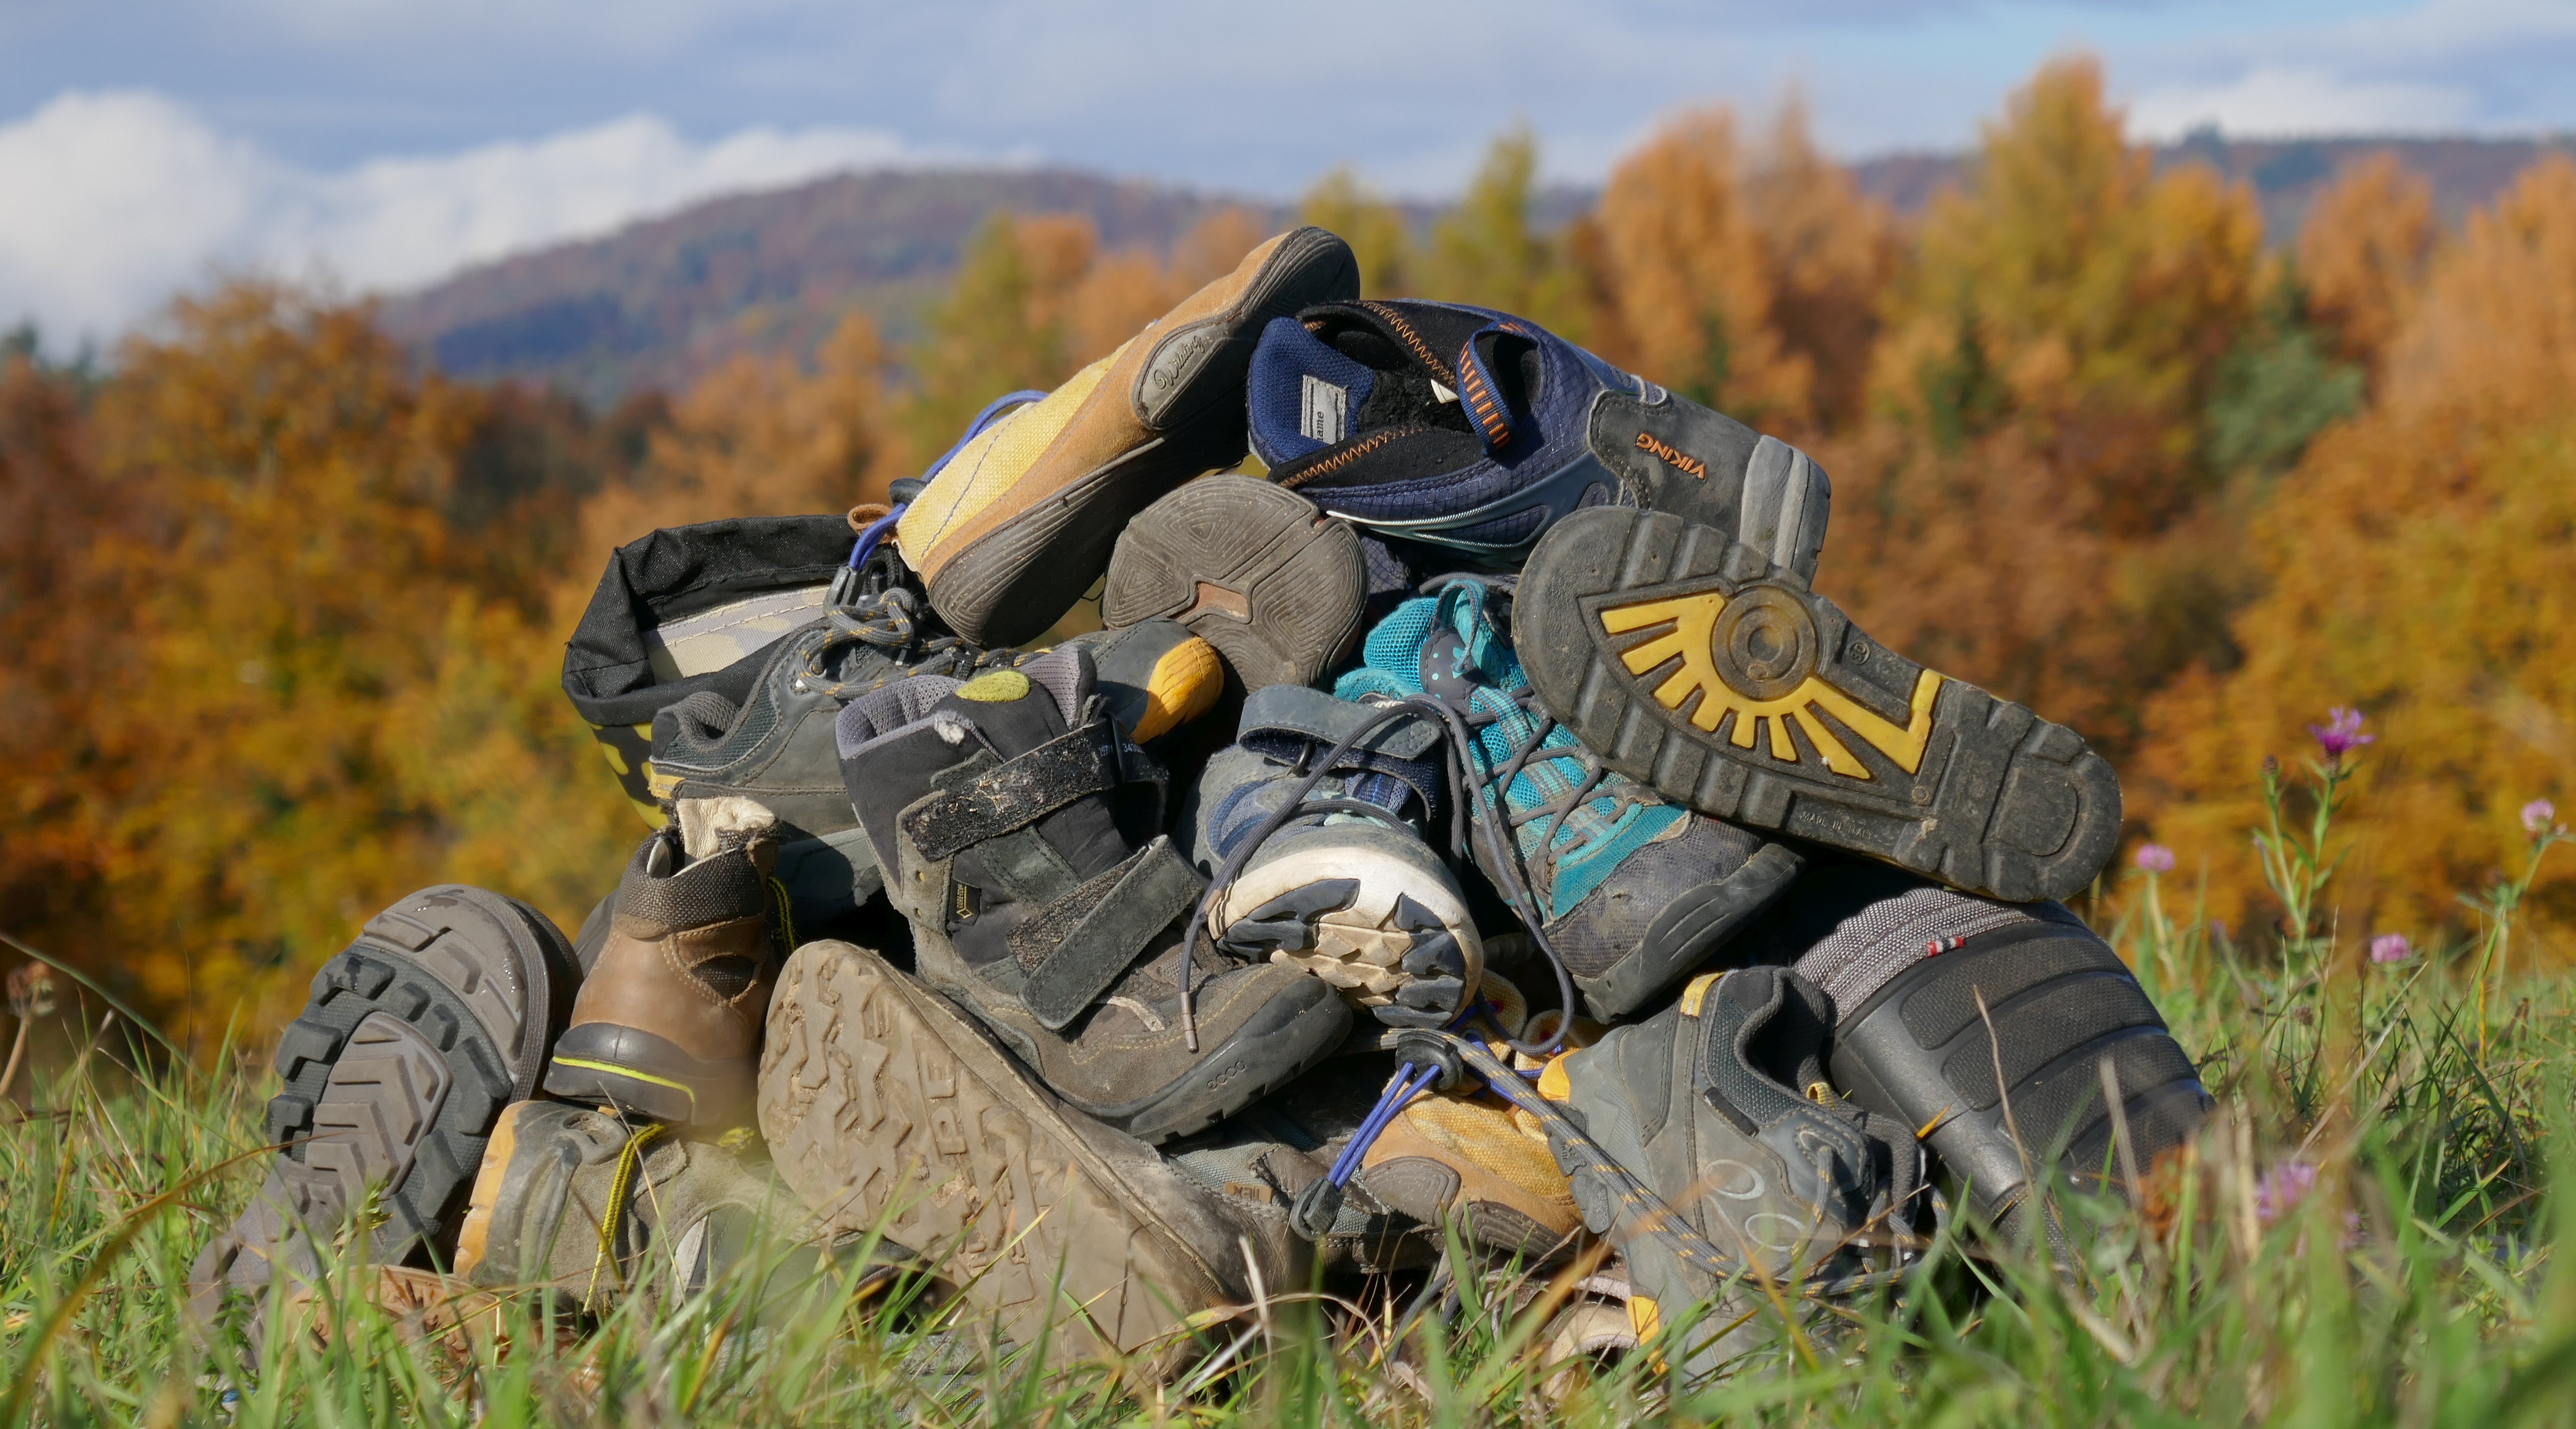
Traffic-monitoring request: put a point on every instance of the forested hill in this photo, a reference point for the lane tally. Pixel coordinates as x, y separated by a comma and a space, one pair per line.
661, 302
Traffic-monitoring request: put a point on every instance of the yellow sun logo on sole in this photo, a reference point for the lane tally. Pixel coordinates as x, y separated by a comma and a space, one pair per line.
1754, 656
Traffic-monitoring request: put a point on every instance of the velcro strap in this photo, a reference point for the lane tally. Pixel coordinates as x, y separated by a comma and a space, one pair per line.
1018, 792
1078, 945
1303, 714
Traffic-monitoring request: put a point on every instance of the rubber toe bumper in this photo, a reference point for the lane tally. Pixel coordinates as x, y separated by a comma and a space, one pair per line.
1679, 657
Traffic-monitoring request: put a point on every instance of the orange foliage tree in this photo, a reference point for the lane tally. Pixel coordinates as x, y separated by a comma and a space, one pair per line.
2363, 252
2417, 567
2028, 507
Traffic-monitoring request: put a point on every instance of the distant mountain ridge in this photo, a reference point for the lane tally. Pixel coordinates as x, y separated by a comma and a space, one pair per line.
661, 302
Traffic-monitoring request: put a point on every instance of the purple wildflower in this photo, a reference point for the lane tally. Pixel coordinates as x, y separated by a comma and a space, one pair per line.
2391, 948
2341, 733
2536, 817
2154, 858
2282, 1188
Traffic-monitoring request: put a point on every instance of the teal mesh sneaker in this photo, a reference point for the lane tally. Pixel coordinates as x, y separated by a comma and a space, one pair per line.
1629, 891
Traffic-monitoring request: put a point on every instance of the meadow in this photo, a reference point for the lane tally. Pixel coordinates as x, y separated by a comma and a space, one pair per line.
2362, 1236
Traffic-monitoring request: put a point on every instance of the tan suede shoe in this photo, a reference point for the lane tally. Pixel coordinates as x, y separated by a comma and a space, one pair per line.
1020, 521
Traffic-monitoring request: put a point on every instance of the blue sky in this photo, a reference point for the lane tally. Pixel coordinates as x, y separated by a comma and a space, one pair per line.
387, 142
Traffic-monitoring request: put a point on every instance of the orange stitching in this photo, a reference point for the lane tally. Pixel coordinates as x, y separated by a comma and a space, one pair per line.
1347, 455
1421, 350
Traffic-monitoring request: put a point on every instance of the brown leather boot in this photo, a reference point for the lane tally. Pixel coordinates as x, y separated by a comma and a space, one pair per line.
668, 1022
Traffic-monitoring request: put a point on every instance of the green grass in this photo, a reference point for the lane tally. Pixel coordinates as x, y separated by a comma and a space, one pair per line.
2409, 1281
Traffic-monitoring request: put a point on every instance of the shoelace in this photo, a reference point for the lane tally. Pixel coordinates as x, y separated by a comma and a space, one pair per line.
877, 530
891, 622
1481, 807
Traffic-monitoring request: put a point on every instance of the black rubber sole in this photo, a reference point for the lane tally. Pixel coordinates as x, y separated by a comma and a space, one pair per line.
1680, 658
1253, 569
1019, 578
439, 1015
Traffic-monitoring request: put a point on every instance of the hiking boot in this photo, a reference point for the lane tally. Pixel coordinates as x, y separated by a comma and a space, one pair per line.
775, 743
667, 1026
889, 1111
1475, 430
416, 1036
1762, 1184
711, 662
1329, 870
1020, 829
1686, 661
1631, 892
1274, 584
1934, 989
576, 1201
1016, 525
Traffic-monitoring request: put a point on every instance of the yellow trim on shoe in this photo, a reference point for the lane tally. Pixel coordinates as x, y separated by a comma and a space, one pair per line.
581, 1064
1695, 996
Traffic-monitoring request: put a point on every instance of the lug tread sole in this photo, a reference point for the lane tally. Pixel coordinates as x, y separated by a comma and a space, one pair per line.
886, 1109
2010, 806
413, 1040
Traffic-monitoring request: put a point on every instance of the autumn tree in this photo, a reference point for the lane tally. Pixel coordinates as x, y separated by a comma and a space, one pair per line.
1829, 253
1373, 227
1687, 280
2416, 567
2363, 253
2031, 505
1488, 250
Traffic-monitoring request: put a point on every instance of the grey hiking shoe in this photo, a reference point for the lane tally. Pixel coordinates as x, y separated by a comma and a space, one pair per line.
1021, 831
1256, 570
1692, 666
576, 1201
1721, 1107
890, 1111
1260, 1160
1934, 990
667, 1026
416, 1036
1328, 868
713, 659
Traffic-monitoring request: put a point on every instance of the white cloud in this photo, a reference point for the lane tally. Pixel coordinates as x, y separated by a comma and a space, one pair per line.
110, 202
2276, 100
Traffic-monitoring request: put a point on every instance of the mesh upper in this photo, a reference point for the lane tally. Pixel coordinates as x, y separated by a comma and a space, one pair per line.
1598, 835
1868, 949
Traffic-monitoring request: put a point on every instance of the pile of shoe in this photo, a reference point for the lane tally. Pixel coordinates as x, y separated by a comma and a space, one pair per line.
1472, 824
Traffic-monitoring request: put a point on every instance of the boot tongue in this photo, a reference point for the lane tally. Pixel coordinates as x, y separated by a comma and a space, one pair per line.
1018, 710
